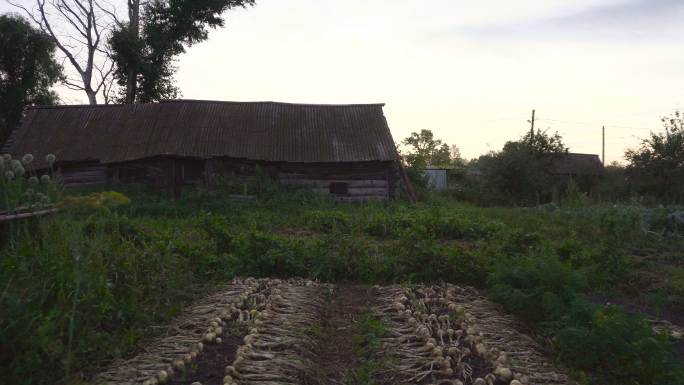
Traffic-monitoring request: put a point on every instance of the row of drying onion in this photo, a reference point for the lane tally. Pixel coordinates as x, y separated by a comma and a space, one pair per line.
239, 310
435, 340
278, 348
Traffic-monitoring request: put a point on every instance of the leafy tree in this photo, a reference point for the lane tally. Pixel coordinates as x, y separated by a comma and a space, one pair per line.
27, 70
148, 52
425, 150
656, 168
523, 172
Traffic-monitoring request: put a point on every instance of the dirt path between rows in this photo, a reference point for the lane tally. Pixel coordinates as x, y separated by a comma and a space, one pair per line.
336, 351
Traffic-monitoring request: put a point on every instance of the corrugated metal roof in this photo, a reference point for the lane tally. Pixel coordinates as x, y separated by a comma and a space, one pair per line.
268, 131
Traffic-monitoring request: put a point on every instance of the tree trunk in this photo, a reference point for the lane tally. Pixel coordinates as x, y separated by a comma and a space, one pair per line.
134, 25
92, 96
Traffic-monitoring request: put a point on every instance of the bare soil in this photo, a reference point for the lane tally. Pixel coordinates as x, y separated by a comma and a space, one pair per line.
336, 350
211, 364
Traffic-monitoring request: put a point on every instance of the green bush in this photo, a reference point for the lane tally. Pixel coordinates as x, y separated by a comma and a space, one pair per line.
328, 221
614, 347
539, 288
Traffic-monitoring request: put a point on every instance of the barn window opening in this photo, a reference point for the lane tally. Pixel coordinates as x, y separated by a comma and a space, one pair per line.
339, 188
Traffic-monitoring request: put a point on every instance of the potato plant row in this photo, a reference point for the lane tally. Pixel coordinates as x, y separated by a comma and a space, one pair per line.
449, 335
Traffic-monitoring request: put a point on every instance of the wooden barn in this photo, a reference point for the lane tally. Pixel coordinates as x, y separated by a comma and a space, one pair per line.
345, 150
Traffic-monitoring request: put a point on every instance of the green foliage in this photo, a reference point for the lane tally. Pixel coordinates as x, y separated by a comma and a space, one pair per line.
539, 288
425, 150
614, 347
329, 221
28, 70
367, 340
86, 285
167, 29
606, 344
523, 172
659, 162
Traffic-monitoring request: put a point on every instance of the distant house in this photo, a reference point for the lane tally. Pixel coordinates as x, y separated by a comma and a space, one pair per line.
585, 170
573, 164
345, 150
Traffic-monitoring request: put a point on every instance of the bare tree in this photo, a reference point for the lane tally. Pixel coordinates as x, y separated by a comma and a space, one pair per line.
79, 28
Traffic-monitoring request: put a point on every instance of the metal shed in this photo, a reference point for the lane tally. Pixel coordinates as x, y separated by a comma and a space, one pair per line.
437, 178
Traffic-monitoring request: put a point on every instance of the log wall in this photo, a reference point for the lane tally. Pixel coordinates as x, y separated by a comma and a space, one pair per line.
352, 181
83, 174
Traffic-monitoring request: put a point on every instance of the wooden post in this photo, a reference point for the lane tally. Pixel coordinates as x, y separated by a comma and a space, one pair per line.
532, 124
603, 156
410, 190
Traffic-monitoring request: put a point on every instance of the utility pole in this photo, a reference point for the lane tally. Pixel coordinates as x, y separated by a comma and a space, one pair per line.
532, 125
603, 156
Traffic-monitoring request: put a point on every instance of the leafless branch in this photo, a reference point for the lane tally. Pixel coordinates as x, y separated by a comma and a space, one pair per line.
82, 46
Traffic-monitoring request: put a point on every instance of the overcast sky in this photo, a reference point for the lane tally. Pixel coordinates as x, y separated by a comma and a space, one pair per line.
470, 71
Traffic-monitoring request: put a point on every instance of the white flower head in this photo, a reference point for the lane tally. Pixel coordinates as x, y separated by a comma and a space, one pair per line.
45, 179
17, 167
50, 159
7, 157
27, 159
9, 175
33, 181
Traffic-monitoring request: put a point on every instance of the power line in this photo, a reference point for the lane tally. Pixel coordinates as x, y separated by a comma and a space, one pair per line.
595, 124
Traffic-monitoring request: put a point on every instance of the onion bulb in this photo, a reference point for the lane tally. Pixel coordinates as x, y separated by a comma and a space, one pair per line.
162, 376
503, 373
209, 337
179, 365
230, 371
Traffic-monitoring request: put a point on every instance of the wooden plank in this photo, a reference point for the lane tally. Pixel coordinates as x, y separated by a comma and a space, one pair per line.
12, 217
381, 192
326, 183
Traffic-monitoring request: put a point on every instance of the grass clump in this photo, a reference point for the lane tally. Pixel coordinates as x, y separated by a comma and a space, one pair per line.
368, 331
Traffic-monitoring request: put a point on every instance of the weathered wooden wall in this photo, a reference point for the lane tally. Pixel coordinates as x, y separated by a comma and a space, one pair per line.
351, 181
83, 174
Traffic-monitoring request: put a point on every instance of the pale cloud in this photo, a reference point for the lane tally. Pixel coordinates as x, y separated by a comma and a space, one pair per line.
627, 21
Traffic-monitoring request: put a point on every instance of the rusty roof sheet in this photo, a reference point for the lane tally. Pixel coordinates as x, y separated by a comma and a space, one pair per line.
266, 131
